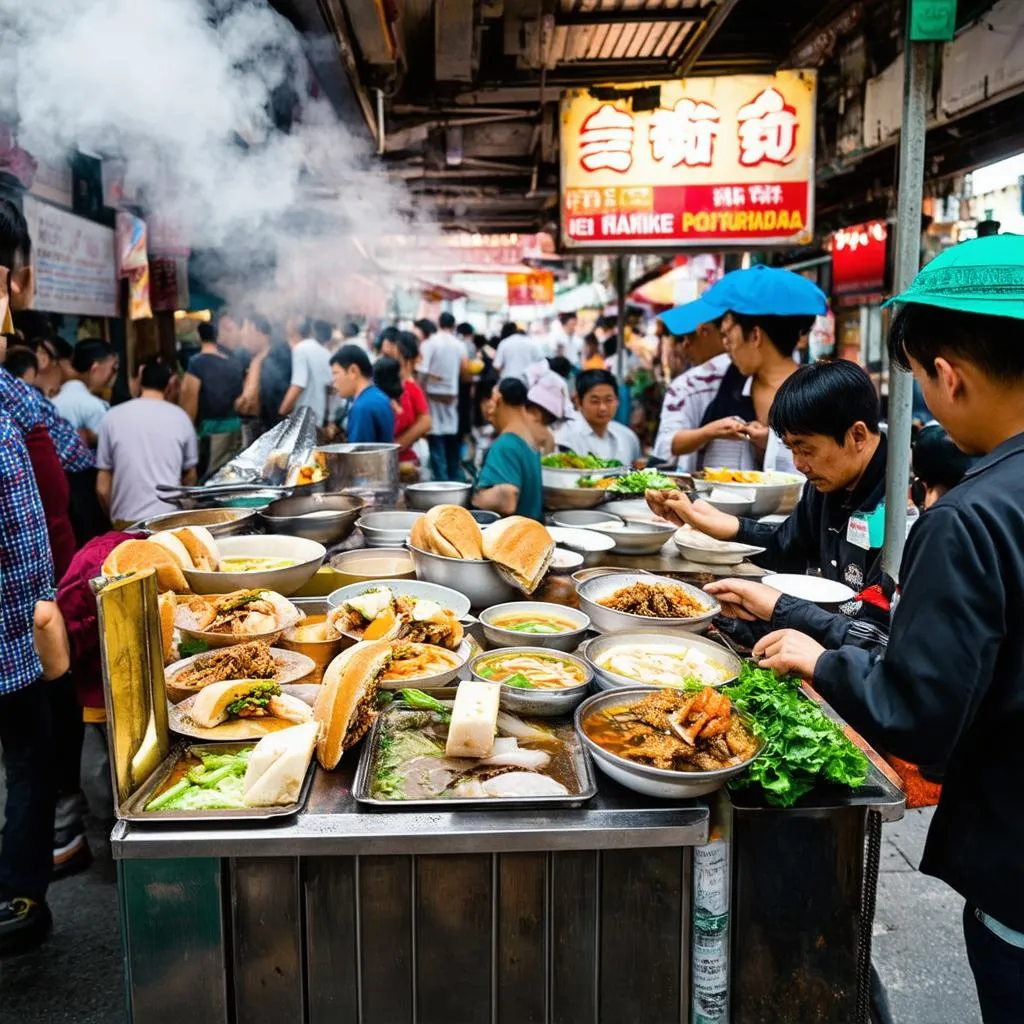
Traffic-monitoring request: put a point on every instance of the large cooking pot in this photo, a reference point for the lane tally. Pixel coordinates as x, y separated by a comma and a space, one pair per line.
369, 471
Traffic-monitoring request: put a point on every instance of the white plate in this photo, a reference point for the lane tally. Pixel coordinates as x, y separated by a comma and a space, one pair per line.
580, 540
705, 550
810, 588
634, 510
291, 667
444, 596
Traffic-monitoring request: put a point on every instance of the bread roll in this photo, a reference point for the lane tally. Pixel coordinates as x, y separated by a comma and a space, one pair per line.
175, 547
201, 547
277, 766
132, 555
210, 707
418, 537
167, 603
347, 703
521, 550
454, 532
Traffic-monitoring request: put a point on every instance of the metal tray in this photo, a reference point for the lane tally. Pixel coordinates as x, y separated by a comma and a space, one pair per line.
133, 809
585, 779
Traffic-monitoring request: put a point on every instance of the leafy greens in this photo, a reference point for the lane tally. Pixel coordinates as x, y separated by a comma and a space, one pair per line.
570, 460
803, 746
637, 482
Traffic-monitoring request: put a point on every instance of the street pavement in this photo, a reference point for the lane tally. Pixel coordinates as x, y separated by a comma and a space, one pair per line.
76, 977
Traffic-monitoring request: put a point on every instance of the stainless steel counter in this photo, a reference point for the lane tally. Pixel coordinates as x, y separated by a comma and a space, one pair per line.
333, 824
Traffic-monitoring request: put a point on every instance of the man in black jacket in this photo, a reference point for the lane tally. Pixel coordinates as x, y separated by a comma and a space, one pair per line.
827, 414
950, 687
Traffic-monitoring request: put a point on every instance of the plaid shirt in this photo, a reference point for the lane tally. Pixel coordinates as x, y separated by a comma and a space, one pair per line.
26, 567
28, 409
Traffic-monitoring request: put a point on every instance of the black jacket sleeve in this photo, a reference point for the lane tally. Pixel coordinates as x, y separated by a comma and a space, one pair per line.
917, 699
831, 629
788, 547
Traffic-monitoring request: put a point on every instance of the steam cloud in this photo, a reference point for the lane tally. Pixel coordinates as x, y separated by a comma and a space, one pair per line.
182, 91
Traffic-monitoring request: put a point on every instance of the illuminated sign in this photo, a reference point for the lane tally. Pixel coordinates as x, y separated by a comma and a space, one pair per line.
720, 161
536, 288
859, 259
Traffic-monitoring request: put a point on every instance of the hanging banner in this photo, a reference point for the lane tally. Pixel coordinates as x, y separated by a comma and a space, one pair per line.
73, 262
718, 161
534, 289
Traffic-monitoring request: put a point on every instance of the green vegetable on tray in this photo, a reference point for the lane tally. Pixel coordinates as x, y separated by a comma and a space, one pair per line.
214, 784
642, 480
803, 746
424, 702
570, 460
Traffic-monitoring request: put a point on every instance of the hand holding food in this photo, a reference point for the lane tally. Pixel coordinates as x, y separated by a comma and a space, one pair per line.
788, 652
756, 433
745, 599
728, 428
677, 508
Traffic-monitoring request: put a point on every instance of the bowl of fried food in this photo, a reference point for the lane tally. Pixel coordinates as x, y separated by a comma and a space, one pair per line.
619, 601
220, 620
667, 743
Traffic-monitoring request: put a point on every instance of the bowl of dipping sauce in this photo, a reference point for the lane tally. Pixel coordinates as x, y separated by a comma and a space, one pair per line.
313, 637
367, 564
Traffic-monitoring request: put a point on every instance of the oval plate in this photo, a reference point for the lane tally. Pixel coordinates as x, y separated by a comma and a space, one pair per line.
237, 729
292, 667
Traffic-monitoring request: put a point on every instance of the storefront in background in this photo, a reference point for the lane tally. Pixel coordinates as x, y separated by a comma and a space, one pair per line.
860, 282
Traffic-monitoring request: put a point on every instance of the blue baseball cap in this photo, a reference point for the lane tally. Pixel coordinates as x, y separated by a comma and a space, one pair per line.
769, 291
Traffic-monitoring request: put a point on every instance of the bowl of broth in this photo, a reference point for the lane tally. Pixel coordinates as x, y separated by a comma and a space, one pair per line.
313, 637
535, 680
366, 564
554, 626
260, 562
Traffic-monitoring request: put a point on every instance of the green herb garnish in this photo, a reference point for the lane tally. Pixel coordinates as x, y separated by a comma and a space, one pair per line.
519, 680
191, 646
258, 697
570, 460
642, 480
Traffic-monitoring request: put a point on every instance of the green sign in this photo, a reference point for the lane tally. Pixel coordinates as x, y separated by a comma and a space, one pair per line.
932, 20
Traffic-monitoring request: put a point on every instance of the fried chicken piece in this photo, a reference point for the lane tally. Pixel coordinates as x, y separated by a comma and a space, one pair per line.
654, 600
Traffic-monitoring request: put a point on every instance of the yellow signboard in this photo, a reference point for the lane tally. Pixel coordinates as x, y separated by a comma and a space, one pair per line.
719, 161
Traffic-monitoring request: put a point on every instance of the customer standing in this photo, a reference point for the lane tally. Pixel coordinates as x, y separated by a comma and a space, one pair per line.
266, 380
311, 372
412, 423
371, 420
517, 351
595, 431
443, 363
94, 364
144, 443
209, 390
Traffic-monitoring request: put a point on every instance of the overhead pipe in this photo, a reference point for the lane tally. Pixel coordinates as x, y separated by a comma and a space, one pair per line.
705, 32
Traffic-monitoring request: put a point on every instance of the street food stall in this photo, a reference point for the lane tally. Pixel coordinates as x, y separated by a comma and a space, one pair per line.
550, 879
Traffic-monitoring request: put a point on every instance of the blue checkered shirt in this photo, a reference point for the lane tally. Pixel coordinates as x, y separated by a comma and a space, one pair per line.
26, 566
28, 408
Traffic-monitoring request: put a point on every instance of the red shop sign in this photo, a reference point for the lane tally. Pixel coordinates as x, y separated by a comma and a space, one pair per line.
859, 259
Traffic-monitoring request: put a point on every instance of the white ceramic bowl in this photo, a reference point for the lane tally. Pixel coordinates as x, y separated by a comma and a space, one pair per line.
707, 551
498, 637
636, 538
307, 555
438, 678
589, 543
444, 596
387, 529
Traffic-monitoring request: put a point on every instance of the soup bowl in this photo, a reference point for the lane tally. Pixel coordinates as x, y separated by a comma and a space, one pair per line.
641, 778
305, 556
498, 636
538, 702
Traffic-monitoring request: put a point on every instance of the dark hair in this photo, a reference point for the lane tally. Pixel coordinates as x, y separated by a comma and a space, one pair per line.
995, 344
512, 391
261, 323
20, 360
155, 375
784, 332
484, 389
561, 366
936, 459
303, 326
207, 332
63, 348
590, 379
15, 241
610, 346
353, 355
591, 340
566, 318
446, 322
387, 376
465, 330
408, 345
508, 329
825, 398
351, 330
426, 327
608, 323
89, 352
391, 334
322, 331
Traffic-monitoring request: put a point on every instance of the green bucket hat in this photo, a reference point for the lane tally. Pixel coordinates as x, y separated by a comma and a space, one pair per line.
985, 275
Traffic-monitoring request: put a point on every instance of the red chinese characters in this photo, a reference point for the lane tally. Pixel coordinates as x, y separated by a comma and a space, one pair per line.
606, 140
684, 134
767, 129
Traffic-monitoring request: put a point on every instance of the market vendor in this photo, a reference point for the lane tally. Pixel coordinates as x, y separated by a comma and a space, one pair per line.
827, 415
950, 687
510, 478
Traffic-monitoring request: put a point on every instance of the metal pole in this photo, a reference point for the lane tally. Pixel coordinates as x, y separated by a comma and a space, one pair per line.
908, 261
620, 352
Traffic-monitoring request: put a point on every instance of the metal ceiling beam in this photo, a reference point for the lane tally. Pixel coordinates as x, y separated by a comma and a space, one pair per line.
698, 39
628, 16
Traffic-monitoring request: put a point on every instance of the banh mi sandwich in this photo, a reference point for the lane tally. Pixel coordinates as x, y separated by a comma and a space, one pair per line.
521, 550
377, 613
347, 703
451, 530
246, 698
192, 546
133, 555
241, 613
277, 766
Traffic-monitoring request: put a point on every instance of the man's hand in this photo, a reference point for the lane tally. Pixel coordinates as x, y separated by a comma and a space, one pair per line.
789, 652
756, 433
677, 508
745, 599
728, 428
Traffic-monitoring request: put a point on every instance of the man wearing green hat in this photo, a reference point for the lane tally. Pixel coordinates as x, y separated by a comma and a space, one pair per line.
949, 688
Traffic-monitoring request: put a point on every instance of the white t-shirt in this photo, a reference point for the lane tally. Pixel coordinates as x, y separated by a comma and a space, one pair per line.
441, 358
79, 406
515, 353
311, 371
686, 401
619, 442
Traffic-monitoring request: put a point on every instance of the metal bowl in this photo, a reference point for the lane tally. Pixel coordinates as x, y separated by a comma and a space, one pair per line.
475, 577
437, 492
636, 538
723, 553
483, 517
736, 504
307, 555
641, 778
564, 562
583, 518
779, 493
606, 620
289, 516
593, 650
363, 565
588, 543
221, 522
321, 652
560, 498
387, 529
498, 637
541, 703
